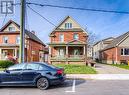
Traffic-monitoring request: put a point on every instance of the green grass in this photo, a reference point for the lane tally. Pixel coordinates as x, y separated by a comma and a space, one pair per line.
76, 69
121, 66
1, 69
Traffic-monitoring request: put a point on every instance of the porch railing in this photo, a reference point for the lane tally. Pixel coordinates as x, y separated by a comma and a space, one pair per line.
68, 58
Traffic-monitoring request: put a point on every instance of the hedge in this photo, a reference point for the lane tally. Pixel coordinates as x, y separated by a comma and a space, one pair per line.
5, 63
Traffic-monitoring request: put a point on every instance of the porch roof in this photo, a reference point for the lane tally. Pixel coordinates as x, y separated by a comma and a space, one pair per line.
9, 45
70, 43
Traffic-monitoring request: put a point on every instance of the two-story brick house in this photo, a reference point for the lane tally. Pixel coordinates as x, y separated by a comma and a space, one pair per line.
10, 40
68, 43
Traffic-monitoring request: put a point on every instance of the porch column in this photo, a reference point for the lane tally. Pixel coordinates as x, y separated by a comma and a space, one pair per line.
49, 56
49, 50
84, 50
16, 52
67, 50
67, 55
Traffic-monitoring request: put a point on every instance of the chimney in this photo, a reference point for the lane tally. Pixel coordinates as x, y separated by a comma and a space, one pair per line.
33, 32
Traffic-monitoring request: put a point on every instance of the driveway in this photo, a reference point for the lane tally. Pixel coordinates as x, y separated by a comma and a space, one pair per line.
107, 69
74, 87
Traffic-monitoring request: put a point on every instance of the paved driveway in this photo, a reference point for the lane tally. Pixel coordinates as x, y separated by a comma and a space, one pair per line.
107, 69
74, 87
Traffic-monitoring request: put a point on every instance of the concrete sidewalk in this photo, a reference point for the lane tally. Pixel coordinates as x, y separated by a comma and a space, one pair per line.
108, 69
99, 76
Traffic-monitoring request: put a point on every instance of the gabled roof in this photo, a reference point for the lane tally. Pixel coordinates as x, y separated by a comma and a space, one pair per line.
8, 23
103, 40
67, 17
117, 40
28, 33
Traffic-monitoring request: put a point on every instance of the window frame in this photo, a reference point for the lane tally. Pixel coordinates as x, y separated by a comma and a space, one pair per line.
60, 38
68, 25
12, 30
124, 52
75, 37
17, 38
5, 41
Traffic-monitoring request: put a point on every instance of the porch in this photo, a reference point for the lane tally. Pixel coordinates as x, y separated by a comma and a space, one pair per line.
14, 52
68, 53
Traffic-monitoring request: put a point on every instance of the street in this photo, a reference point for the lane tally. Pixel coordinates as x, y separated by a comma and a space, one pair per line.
74, 87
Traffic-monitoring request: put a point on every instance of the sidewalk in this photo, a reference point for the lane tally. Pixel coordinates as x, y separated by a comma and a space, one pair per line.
99, 76
108, 69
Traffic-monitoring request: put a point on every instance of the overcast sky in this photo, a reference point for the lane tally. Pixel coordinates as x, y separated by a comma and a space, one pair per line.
102, 24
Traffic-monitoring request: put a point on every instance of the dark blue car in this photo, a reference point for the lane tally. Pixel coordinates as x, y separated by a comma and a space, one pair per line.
37, 74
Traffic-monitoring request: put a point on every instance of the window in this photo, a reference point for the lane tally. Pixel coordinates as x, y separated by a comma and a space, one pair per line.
11, 29
61, 38
68, 25
61, 52
17, 67
18, 40
32, 67
76, 52
75, 36
5, 39
125, 51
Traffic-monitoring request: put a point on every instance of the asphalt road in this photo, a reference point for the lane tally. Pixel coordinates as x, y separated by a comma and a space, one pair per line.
74, 87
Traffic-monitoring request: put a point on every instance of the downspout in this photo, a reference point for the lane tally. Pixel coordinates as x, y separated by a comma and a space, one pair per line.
116, 55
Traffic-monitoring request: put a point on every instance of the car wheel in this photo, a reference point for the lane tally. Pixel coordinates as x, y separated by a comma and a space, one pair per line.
43, 83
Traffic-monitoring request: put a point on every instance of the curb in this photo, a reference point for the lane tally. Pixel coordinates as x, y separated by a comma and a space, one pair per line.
99, 76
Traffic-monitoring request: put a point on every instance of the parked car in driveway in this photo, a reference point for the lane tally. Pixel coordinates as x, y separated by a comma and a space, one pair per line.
37, 74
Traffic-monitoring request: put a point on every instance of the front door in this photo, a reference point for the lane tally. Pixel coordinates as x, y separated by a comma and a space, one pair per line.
61, 52
12, 75
30, 73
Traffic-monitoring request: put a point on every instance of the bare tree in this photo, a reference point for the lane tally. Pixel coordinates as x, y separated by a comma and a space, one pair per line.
92, 37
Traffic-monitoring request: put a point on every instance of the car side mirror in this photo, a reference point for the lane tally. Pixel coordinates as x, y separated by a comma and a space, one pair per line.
7, 71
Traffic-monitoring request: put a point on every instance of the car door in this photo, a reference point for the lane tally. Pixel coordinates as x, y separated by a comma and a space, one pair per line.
12, 75
30, 73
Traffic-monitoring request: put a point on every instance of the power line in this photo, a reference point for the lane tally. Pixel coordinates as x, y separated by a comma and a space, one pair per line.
41, 15
83, 9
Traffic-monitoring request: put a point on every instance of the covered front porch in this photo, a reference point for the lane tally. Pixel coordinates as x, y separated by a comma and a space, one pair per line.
14, 52
68, 53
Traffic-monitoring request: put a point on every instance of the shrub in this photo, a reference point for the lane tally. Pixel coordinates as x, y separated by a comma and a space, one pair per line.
5, 63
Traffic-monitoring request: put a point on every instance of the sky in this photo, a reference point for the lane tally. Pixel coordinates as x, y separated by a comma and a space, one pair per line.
103, 25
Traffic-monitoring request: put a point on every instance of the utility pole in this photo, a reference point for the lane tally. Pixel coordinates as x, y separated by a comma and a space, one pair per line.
22, 32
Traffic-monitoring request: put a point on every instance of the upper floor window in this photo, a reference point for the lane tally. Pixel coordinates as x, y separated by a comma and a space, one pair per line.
5, 39
75, 36
61, 38
68, 25
125, 51
11, 29
18, 40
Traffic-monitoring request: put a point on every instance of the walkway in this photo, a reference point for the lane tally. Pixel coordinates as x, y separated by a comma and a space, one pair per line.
107, 69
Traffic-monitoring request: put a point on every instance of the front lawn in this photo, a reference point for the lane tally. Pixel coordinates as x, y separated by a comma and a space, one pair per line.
1, 69
121, 66
76, 69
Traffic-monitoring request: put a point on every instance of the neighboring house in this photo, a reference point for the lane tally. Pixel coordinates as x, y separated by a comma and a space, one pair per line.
68, 43
100, 45
117, 51
90, 52
10, 40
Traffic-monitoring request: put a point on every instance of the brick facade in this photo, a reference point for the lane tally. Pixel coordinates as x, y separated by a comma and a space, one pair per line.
68, 36
34, 47
69, 50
